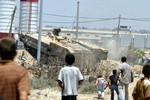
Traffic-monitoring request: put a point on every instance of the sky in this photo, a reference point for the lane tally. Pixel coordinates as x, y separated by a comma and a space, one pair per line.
93, 13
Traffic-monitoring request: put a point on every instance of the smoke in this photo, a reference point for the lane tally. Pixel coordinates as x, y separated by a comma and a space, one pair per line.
114, 52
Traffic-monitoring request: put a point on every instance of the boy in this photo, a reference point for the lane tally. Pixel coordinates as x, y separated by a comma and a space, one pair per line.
100, 84
113, 82
69, 78
142, 88
14, 79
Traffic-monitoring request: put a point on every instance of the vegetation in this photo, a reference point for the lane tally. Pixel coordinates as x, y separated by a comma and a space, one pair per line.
137, 52
134, 55
88, 87
45, 76
41, 83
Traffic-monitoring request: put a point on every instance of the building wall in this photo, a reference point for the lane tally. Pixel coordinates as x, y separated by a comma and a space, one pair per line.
28, 15
6, 11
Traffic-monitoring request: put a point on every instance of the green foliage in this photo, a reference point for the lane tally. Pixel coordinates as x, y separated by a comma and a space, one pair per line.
139, 52
87, 88
134, 52
42, 83
133, 55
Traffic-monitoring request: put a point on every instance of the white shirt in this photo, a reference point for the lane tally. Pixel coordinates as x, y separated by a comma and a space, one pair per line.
70, 77
126, 75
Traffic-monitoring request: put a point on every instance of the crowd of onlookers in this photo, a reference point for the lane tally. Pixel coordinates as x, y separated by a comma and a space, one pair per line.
120, 79
15, 81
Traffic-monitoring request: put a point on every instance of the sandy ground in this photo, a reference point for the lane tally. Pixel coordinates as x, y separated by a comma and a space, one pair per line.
107, 96
55, 95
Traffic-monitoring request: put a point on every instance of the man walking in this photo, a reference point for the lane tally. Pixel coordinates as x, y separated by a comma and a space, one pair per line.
69, 78
14, 79
125, 70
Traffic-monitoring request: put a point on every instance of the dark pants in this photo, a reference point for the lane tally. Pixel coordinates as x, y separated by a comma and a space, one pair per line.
112, 88
71, 97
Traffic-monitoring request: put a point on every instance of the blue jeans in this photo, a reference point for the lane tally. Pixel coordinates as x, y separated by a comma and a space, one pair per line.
101, 92
120, 88
112, 88
121, 94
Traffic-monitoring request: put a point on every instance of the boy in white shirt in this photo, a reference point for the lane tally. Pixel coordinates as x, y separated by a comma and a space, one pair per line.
69, 78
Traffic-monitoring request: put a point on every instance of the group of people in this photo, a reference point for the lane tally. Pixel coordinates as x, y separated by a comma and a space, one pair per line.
120, 78
15, 81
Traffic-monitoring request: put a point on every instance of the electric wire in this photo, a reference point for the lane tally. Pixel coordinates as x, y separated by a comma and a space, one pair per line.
98, 19
71, 26
137, 19
88, 21
71, 16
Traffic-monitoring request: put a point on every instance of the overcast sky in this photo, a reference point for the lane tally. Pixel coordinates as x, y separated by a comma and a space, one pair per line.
57, 11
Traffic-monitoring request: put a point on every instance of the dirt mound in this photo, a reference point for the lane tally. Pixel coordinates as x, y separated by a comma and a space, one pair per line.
137, 68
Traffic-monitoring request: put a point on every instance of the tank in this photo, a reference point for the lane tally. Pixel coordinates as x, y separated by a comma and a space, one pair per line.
6, 11
28, 16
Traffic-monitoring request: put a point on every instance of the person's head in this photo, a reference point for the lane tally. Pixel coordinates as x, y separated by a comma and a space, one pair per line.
114, 72
123, 59
99, 76
7, 49
69, 59
146, 70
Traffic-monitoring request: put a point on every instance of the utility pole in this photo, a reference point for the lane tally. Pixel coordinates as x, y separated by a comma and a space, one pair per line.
12, 19
117, 37
40, 32
77, 22
118, 29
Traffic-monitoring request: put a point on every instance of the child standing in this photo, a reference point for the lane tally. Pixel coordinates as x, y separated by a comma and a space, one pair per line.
100, 84
70, 78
